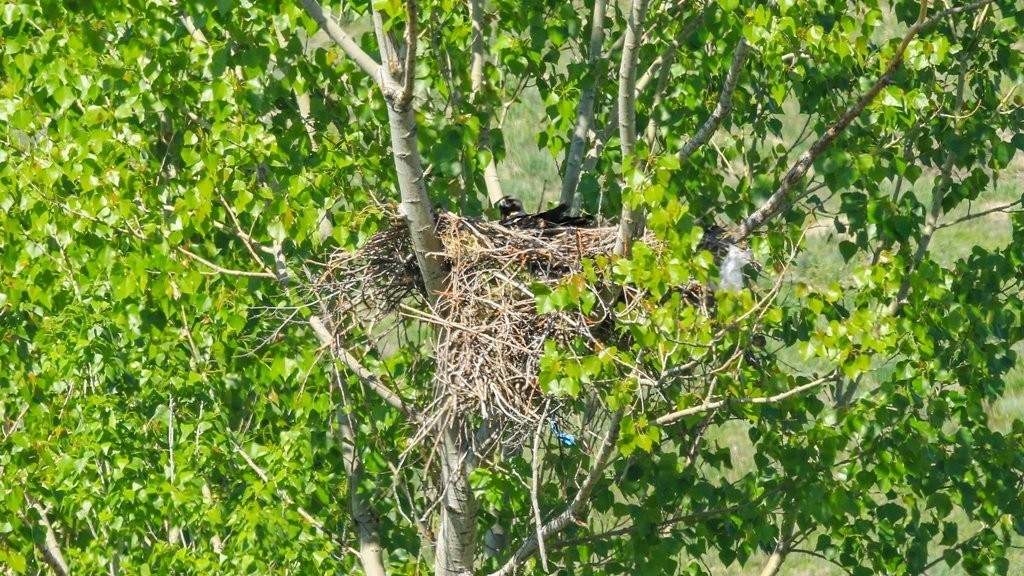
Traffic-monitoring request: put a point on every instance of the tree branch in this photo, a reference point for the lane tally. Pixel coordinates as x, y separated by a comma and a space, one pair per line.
668, 55
222, 270
777, 200
662, 67
707, 406
476, 79
585, 110
574, 513
782, 546
353, 364
679, 519
631, 219
281, 493
342, 39
363, 514
938, 194
1004, 208
49, 547
409, 68
724, 106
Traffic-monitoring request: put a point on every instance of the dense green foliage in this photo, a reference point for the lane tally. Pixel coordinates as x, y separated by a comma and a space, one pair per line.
164, 406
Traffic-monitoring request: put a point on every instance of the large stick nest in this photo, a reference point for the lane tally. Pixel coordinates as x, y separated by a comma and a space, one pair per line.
490, 334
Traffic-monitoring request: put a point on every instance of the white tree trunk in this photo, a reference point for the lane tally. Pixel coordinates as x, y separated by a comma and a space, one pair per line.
456, 538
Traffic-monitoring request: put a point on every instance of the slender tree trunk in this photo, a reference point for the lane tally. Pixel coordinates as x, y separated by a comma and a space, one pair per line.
362, 514
456, 538
415, 202
476, 77
631, 220
585, 112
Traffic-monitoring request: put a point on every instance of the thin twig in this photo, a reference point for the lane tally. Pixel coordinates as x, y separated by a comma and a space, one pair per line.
221, 269
706, 406
1005, 208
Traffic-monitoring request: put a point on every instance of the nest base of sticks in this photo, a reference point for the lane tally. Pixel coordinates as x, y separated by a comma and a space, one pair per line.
490, 336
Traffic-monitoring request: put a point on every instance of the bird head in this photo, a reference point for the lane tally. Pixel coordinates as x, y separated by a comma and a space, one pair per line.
510, 206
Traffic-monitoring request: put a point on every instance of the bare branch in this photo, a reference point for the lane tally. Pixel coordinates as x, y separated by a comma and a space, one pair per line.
707, 406
585, 111
353, 364
1004, 208
49, 547
342, 39
222, 270
576, 509
724, 106
777, 200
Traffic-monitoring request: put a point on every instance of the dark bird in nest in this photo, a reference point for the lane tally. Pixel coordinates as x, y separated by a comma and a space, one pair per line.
514, 216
